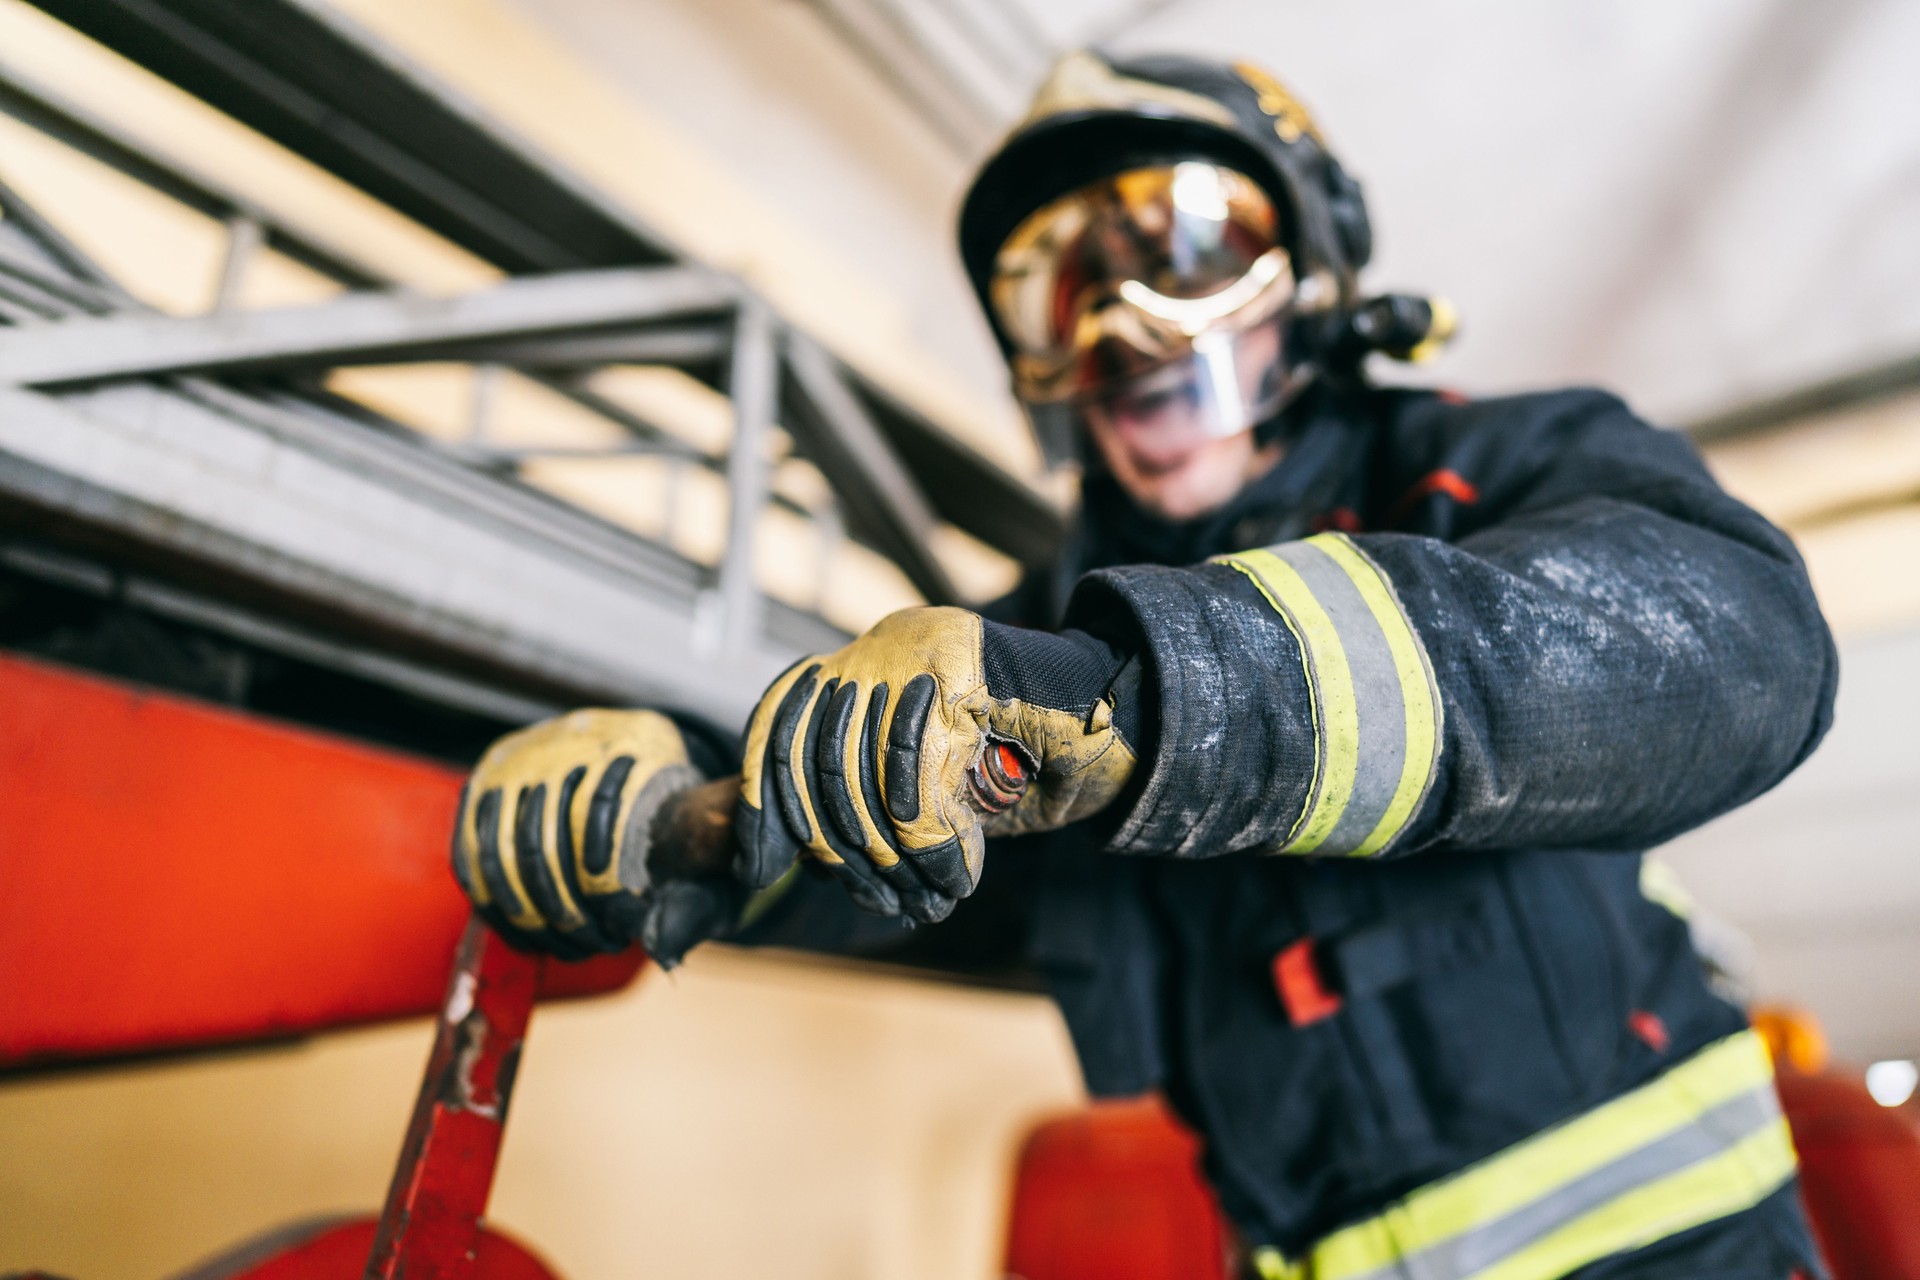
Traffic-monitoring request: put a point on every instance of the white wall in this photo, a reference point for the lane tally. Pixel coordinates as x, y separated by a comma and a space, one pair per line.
1823, 873
1690, 203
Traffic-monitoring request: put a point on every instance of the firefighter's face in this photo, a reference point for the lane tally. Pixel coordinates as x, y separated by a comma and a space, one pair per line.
1150, 310
1157, 440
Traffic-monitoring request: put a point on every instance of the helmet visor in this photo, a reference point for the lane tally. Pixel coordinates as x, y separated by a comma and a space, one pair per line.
1124, 274
1227, 382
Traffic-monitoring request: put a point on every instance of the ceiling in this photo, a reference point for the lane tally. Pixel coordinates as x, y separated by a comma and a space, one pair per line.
1694, 204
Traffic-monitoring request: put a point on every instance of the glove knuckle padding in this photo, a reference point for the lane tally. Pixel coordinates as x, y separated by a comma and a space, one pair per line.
829, 801
553, 825
783, 753
865, 751
764, 844
466, 866
836, 767
503, 895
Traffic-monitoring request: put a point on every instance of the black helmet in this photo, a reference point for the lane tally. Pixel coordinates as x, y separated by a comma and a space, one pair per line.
1096, 117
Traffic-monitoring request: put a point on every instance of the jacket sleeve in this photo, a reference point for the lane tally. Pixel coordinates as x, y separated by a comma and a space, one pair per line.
1602, 651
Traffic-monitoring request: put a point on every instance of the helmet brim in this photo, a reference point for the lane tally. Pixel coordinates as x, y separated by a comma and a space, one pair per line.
1063, 153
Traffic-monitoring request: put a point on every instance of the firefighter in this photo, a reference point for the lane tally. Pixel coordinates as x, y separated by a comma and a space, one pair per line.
1314, 777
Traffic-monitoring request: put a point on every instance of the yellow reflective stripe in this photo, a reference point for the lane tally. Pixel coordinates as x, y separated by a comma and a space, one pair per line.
1533, 1170
1270, 1264
1337, 722
1420, 696
1376, 710
1737, 1179
1659, 883
1313, 694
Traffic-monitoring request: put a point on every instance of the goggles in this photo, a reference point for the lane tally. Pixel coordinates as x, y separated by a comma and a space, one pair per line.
1154, 278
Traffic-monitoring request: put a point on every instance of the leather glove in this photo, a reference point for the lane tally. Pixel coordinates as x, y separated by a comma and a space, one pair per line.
553, 840
892, 760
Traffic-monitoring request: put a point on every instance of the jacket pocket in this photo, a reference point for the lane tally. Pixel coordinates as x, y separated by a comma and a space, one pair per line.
1578, 958
1450, 1015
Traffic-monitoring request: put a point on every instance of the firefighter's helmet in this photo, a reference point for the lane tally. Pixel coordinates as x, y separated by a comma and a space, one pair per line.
1166, 225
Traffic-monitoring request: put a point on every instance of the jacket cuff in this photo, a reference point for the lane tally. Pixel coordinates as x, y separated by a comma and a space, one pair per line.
1297, 705
1229, 765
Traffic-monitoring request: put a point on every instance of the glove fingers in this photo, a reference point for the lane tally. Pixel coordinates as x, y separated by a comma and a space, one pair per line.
763, 849
950, 867
863, 884
822, 749
536, 878
504, 902
563, 917
466, 868
919, 899
827, 775
782, 743
503, 898
530, 857
903, 748
541, 942
591, 932
603, 820
769, 836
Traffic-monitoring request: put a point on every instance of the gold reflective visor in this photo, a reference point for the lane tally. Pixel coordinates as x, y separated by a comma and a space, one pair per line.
1124, 275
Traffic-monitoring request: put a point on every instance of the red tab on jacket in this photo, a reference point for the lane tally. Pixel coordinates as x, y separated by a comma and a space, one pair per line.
1296, 977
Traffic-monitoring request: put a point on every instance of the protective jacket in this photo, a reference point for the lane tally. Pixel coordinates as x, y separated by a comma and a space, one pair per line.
1372, 914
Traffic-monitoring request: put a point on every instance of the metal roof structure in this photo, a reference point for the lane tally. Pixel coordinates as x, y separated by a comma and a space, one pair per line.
204, 450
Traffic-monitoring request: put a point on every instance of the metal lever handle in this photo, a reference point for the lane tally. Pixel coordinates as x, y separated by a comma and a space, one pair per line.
695, 832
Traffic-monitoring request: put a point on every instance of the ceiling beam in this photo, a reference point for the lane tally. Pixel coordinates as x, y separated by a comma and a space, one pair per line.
881, 502
303, 75
360, 328
1862, 386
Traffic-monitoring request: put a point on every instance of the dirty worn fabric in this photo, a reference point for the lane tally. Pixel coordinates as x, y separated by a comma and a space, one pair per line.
1621, 650
1552, 641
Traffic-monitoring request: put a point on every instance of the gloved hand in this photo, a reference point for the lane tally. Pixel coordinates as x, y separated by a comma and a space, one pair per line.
553, 840
892, 760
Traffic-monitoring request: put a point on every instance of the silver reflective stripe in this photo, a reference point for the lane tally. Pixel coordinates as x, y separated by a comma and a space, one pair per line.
1716, 1131
1377, 697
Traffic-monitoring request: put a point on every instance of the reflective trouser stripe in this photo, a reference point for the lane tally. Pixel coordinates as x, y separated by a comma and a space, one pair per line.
1376, 712
1702, 1141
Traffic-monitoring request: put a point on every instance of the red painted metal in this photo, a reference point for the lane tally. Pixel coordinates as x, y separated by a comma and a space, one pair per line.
432, 1216
1859, 1174
1113, 1193
175, 875
337, 1250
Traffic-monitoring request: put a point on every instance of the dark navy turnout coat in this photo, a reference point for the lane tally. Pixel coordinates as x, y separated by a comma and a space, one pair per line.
1373, 915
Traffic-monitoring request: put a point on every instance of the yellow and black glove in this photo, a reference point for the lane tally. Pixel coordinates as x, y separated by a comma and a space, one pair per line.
553, 840
892, 760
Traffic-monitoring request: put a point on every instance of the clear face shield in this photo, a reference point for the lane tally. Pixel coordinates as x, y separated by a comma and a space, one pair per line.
1155, 306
